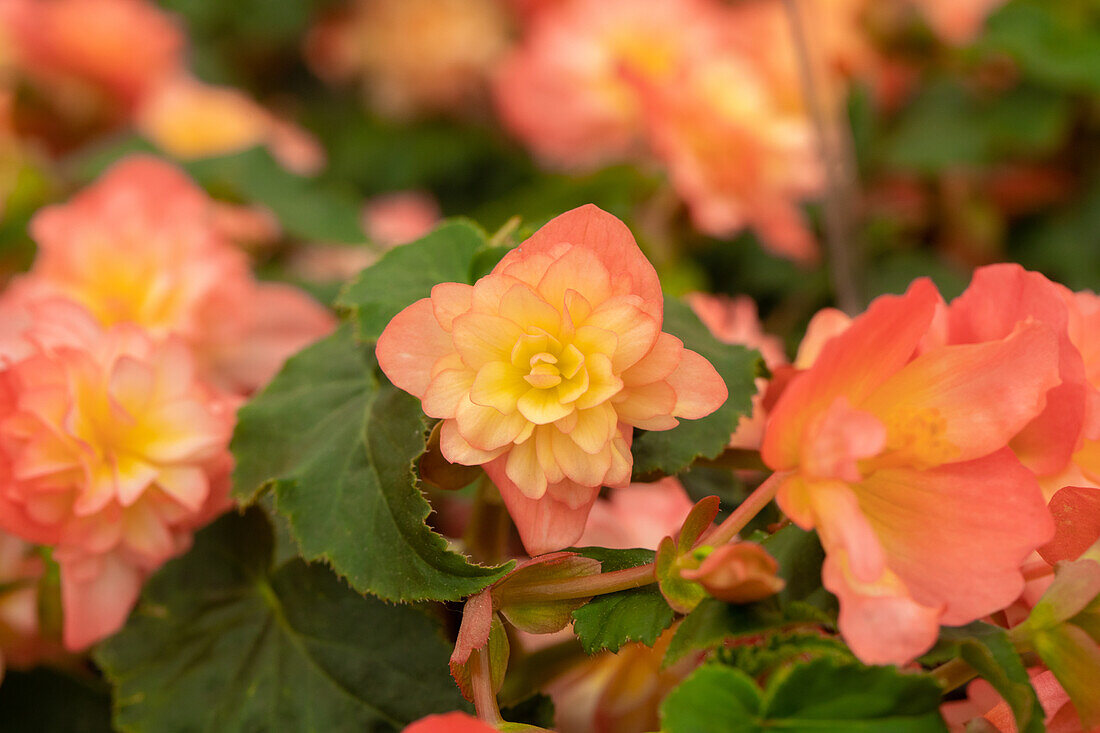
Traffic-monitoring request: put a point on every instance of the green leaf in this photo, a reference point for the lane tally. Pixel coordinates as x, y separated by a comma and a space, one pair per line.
223, 641
1056, 44
670, 451
337, 445
41, 700
408, 273
823, 695
311, 209
307, 208
989, 651
947, 126
614, 619
800, 556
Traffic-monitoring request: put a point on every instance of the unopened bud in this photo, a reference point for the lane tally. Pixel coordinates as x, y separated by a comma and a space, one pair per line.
742, 572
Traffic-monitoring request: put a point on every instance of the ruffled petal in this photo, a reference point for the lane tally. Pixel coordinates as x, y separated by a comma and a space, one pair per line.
411, 344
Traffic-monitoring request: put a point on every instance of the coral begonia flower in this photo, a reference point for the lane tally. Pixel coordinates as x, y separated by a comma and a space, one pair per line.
141, 246
998, 298
540, 370
111, 450
565, 91
119, 48
900, 462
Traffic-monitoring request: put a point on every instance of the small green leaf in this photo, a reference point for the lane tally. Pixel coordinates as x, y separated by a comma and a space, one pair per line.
337, 445
408, 273
1053, 43
223, 641
714, 699
614, 619
823, 695
681, 594
543, 617
667, 452
989, 651
800, 555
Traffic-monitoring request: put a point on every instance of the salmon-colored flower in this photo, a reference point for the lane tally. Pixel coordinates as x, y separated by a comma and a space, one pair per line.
189, 119
740, 572
901, 463
400, 217
738, 155
412, 56
619, 692
80, 49
110, 449
1060, 716
566, 92
639, 515
142, 246
998, 299
541, 369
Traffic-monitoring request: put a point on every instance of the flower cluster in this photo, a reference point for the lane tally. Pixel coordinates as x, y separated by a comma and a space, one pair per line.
103, 64
123, 355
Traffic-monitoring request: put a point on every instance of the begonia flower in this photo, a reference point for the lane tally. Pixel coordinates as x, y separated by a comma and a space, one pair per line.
619, 692
998, 299
142, 246
412, 56
738, 155
901, 462
111, 450
116, 49
189, 119
983, 701
566, 90
541, 369
639, 515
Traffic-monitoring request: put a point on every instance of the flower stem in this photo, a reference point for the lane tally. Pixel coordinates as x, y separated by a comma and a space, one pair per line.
563, 589
481, 682
953, 674
835, 148
744, 513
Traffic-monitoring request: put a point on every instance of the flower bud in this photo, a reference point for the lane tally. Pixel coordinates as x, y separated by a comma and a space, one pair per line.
738, 573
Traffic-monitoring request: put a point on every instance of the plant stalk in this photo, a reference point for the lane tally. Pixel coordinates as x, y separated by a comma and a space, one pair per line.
744, 513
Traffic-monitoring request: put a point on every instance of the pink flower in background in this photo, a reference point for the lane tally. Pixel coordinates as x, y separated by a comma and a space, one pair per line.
542, 368
400, 217
111, 450
638, 515
412, 56
901, 463
78, 49
142, 246
566, 91
736, 155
